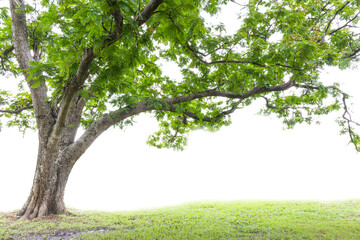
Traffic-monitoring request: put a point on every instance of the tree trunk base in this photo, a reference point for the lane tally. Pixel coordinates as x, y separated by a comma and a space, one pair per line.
46, 196
33, 209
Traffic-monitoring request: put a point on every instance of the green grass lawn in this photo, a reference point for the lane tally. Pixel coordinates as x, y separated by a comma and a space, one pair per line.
212, 220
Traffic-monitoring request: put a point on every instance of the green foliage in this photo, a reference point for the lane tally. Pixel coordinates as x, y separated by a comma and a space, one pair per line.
276, 41
5, 43
22, 120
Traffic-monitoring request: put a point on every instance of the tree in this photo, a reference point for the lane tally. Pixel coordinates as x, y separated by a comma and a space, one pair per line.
95, 64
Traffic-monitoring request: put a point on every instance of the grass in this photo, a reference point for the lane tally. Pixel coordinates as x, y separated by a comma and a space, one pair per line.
212, 220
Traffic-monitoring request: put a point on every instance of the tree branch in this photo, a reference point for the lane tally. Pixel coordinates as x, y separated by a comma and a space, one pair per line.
16, 111
73, 121
101, 125
76, 82
109, 119
192, 115
4, 56
19, 33
355, 51
116, 13
148, 11
346, 112
215, 93
7, 51
196, 54
332, 19
345, 25
42, 109
220, 61
353, 54
347, 117
268, 105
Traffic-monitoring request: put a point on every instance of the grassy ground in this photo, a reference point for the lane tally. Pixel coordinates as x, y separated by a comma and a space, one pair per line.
214, 220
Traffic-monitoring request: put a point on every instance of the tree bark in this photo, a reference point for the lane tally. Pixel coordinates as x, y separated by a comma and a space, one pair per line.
47, 193
53, 168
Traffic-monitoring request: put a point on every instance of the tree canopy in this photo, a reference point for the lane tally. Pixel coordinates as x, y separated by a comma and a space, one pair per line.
107, 54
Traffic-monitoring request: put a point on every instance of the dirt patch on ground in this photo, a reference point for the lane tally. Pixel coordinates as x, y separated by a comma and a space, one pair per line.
57, 235
10, 216
63, 235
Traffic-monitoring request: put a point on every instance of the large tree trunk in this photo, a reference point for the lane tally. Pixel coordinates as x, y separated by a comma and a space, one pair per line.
47, 193
53, 168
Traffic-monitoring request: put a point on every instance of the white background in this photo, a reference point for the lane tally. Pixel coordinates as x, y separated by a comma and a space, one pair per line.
254, 158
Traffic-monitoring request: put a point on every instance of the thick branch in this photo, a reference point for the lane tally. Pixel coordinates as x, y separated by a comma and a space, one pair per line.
192, 115
16, 111
101, 125
109, 119
116, 13
76, 82
21, 45
73, 121
19, 33
215, 93
148, 11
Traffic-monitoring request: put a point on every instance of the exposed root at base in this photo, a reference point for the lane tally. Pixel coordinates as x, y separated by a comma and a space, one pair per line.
45, 216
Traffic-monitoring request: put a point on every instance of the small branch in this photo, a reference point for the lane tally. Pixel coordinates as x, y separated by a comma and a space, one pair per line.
7, 51
242, 5
353, 54
332, 19
349, 122
175, 135
323, 8
268, 105
5, 55
16, 111
346, 112
192, 115
195, 52
318, 19
346, 115
220, 61
345, 25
